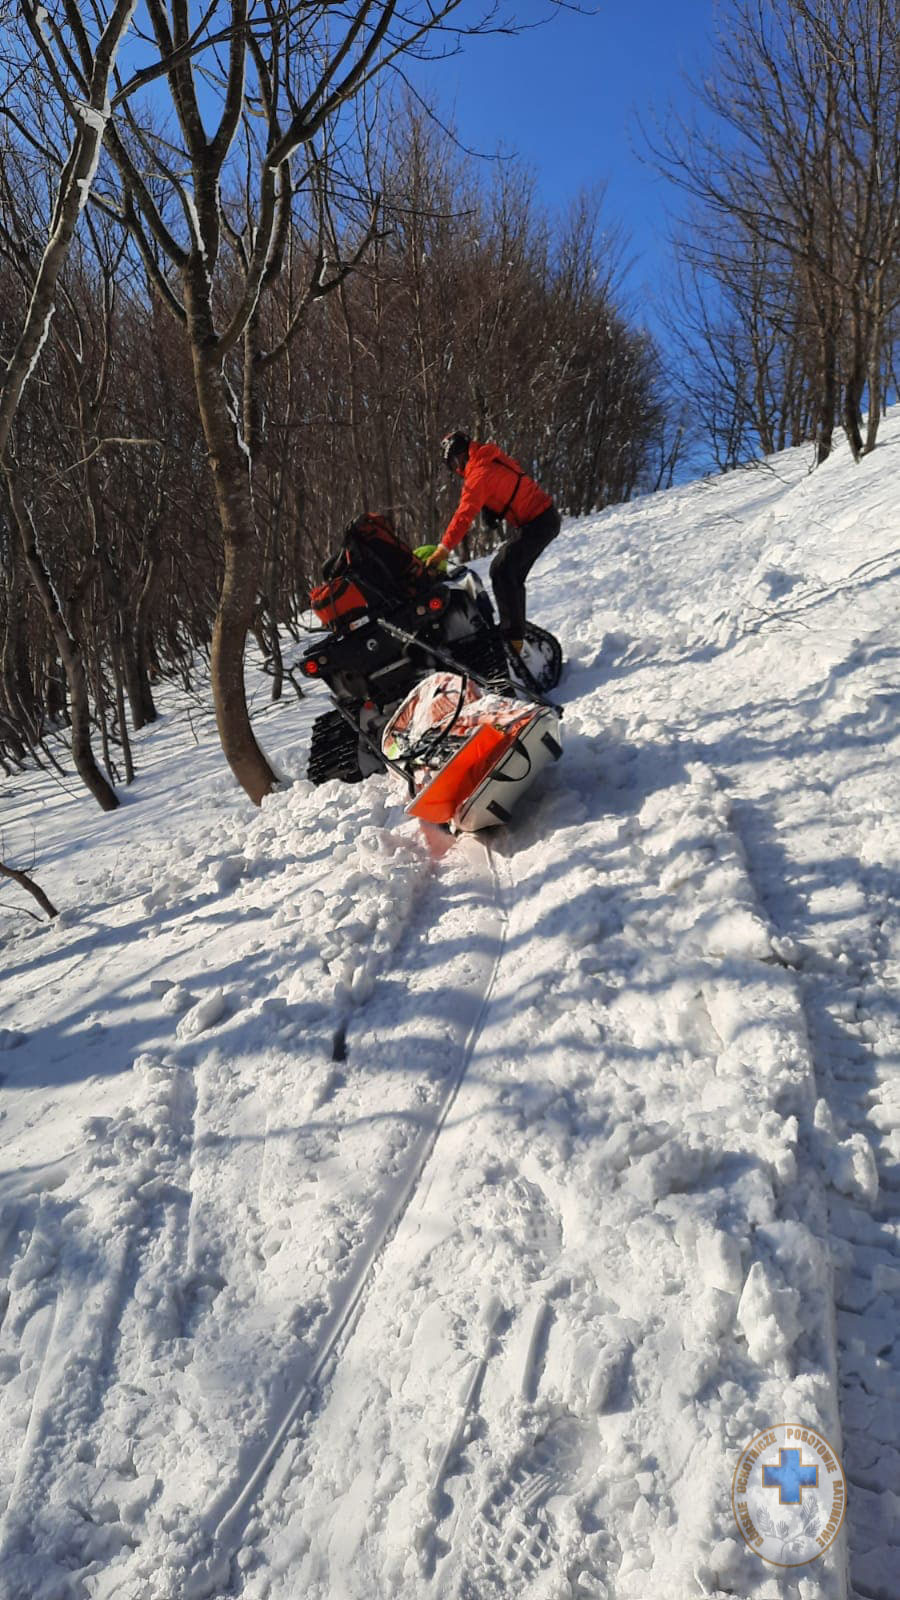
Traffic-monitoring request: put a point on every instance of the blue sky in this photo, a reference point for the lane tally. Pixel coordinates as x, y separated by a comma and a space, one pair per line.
564, 97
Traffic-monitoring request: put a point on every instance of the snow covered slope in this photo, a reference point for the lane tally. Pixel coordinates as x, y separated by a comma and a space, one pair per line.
383, 1215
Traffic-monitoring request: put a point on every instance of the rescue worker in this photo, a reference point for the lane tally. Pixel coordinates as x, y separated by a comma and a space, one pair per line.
495, 484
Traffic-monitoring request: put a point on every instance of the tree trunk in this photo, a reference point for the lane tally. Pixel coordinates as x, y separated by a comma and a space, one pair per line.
55, 694
232, 623
229, 464
273, 569
141, 634
277, 659
101, 709
854, 382
130, 674
874, 358
101, 701
121, 720
828, 394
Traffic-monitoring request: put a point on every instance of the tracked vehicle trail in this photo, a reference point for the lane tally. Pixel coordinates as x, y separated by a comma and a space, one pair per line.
227, 1519
518, 1382
846, 964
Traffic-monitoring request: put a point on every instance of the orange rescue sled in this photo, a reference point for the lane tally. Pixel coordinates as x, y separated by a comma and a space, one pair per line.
471, 754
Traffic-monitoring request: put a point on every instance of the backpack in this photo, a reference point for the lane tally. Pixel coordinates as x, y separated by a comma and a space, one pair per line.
372, 572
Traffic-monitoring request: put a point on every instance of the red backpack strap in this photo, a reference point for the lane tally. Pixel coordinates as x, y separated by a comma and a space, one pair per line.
501, 461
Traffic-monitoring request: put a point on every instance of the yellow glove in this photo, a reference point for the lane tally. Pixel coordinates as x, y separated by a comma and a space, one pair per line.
434, 556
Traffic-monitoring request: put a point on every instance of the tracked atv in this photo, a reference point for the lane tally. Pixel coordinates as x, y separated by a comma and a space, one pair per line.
387, 626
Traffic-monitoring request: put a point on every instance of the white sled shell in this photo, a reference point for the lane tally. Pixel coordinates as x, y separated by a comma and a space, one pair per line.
492, 803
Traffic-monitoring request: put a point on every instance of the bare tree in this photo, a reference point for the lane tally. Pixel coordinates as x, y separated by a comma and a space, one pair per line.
84, 100
863, 39
796, 162
470, 304
291, 71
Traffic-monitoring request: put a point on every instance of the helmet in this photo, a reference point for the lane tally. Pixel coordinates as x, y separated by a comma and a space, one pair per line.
455, 449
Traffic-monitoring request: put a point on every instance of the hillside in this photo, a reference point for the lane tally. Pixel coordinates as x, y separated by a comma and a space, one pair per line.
387, 1215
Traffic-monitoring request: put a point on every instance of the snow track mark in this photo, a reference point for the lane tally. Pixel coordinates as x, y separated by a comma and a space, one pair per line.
473, 985
27, 1334
842, 946
64, 1299
96, 1237
513, 1536
439, 1504
614, 1165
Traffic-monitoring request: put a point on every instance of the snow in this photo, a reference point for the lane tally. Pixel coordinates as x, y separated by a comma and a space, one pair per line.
190, 207
97, 119
42, 338
234, 411
384, 1214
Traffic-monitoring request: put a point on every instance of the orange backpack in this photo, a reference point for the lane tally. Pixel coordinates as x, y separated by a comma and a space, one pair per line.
371, 573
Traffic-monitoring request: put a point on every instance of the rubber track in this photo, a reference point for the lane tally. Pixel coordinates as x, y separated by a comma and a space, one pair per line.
334, 750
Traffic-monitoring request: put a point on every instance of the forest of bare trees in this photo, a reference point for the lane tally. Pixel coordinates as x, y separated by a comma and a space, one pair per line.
786, 325
232, 324
246, 283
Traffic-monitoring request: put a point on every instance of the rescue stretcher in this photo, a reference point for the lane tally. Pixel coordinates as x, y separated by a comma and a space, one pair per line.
469, 754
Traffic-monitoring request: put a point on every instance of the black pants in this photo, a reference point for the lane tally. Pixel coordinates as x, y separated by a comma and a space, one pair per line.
511, 566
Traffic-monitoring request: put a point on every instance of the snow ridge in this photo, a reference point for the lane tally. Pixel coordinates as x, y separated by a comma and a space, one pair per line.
229, 1523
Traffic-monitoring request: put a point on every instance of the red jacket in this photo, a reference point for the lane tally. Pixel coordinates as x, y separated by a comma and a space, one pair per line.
494, 480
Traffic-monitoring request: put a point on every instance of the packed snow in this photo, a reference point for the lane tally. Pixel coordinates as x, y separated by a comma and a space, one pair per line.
391, 1215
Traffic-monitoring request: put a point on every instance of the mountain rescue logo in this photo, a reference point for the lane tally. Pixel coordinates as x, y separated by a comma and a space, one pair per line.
789, 1495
